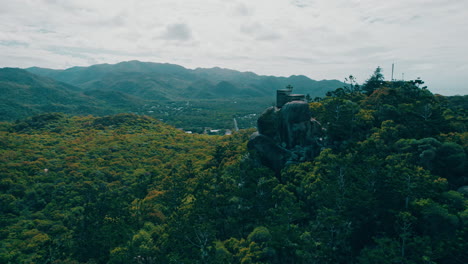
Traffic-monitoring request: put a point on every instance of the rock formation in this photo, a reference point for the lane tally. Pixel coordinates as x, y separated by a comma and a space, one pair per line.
286, 134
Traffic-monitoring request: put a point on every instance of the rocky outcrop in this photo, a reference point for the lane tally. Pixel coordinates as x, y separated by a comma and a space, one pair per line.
286, 135
268, 151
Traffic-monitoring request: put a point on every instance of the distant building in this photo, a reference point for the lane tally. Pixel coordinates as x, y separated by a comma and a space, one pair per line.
284, 96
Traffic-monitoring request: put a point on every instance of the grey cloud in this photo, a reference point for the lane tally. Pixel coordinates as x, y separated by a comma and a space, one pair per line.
302, 3
7, 7
24, 61
315, 61
45, 31
268, 36
68, 52
11, 43
301, 59
415, 17
368, 50
111, 22
179, 32
248, 28
234, 58
69, 6
381, 20
242, 10
53, 2
259, 32
85, 53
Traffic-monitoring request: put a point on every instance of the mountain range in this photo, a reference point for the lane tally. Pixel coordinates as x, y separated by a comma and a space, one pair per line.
158, 81
126, 86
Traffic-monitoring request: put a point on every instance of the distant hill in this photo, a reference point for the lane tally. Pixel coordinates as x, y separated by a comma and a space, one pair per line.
182, 97
157, 81
23, 94
302, 84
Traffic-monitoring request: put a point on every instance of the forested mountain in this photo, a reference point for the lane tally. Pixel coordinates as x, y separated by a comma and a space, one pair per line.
389, 185
23, 94
189, 99
156, 81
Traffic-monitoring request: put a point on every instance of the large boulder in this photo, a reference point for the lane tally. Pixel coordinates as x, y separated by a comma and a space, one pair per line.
268, 123
295, 124
286, 135
268, 151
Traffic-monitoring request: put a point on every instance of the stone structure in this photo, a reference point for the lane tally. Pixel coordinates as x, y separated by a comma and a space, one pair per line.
286, 133
284, 96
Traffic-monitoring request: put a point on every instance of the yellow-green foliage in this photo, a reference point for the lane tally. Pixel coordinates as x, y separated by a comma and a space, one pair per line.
388, 186
59, 173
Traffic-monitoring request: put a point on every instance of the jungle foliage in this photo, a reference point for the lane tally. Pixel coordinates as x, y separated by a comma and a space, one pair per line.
386, 188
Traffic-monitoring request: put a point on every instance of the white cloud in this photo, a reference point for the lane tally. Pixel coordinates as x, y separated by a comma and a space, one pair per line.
320, 39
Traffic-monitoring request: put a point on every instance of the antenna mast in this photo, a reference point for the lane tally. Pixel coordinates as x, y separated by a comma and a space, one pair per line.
393, 67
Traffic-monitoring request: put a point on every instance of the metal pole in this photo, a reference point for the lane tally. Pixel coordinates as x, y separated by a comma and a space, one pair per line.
393, 67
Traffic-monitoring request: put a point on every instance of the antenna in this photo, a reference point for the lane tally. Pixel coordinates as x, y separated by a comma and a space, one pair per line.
393, 67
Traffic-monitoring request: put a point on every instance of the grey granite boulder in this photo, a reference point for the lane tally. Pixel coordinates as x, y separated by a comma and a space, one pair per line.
286, 135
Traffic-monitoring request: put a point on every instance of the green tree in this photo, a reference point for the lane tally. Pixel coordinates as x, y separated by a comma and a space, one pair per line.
374, 82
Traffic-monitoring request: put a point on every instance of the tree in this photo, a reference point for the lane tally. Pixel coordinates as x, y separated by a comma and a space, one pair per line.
374, 82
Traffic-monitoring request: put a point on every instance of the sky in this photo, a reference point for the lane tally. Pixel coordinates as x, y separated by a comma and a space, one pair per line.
321, 39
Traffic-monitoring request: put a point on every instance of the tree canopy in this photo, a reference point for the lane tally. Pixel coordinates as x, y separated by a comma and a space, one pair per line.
389, 186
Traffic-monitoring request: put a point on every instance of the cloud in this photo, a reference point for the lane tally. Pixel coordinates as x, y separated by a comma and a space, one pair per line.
302, 3
13, 43
178, 32
324, 39
241, 9
259, 31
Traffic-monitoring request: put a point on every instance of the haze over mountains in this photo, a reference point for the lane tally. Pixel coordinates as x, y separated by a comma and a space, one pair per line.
126, 86
157, 81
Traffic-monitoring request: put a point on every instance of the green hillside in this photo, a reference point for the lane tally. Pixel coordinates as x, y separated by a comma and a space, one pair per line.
188, 99
23, 94
389, 185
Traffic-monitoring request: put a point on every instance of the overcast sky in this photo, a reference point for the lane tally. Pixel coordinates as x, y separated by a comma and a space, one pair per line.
322, 39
